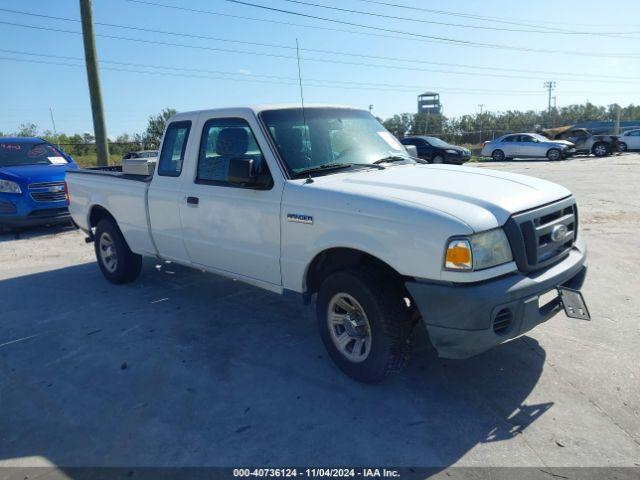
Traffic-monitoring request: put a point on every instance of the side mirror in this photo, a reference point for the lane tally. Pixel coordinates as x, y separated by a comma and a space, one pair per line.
241, 171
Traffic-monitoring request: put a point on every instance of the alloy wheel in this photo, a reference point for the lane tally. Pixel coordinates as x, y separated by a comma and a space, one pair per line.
349, 327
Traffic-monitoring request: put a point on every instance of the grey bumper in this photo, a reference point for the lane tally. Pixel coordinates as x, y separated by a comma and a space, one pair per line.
460, 318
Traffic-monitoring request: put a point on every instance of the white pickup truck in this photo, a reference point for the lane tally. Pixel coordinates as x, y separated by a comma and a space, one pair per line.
325, 203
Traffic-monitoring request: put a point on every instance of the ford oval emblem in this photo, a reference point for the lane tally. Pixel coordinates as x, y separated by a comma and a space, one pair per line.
559, 232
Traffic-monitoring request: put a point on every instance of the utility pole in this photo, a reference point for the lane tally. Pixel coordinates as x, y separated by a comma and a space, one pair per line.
55, 133
550, 86
370, 108
91, 59
481, 105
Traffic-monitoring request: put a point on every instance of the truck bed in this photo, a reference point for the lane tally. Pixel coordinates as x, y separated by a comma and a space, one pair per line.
113, 171
124, 196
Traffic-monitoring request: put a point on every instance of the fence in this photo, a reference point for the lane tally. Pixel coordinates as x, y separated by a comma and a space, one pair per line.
85, 153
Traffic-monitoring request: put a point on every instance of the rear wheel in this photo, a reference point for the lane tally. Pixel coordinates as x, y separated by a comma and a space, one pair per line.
622, 147
600, 149
364, 323
497, 155
117, 262
554, 154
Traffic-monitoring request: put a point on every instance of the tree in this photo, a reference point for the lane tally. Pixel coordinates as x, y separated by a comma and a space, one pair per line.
156, 125
27, 130
400, 125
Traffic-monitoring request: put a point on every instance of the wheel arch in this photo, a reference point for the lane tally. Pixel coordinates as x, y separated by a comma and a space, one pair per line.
334, 259
98, 212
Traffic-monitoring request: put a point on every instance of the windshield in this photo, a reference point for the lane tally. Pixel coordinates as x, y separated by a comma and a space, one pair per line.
330, 137
436, 142
29, 153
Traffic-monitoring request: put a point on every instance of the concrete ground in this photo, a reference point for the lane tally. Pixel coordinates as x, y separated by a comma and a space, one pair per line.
184, 368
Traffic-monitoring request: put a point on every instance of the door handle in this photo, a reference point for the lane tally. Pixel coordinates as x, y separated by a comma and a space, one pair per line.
193, 200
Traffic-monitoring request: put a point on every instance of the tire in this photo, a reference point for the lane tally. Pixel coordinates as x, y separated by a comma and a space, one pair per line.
498, 156
120, 264
622, 147
600, 149
554, 155
381, 326
437, 159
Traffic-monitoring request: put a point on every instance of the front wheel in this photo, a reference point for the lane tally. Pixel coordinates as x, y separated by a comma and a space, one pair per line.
116, 261
554, 154
438, 159
622, 147
364, 323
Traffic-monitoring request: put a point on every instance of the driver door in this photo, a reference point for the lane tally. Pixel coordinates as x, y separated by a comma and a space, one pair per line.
231, 229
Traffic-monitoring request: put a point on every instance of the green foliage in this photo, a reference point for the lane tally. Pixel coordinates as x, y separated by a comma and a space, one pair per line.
156, 125
478, 127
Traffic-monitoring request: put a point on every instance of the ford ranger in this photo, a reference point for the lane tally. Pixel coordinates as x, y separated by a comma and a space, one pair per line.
322, 202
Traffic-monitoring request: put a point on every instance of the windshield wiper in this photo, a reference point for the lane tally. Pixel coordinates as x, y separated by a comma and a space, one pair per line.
335, 166
392, 158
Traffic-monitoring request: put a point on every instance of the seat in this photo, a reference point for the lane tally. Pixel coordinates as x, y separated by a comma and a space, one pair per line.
232, 142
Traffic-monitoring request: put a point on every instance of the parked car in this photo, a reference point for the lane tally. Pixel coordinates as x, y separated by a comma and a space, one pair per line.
526, 145
326, 205
585, 141
141, 154
434, 150
629, 140
32, 182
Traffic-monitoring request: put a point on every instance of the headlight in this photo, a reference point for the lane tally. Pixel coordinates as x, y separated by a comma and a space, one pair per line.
479, 251
9, 187
451, 151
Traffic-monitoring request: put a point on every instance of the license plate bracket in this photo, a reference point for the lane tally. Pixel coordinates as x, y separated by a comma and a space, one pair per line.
573, 303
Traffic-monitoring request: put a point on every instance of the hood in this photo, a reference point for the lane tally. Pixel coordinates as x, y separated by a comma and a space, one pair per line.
479, 197
26, 174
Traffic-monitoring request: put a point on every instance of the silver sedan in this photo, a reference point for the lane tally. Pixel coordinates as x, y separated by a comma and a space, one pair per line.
526, 145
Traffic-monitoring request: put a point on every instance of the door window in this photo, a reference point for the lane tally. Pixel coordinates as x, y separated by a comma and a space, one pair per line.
225, 139
173, 148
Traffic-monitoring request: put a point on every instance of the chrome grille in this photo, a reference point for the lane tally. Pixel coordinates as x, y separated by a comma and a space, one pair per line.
48, 191
531, 234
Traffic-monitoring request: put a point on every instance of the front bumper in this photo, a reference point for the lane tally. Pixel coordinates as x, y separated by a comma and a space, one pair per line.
22, 210
462, 319
35, 217
456, 159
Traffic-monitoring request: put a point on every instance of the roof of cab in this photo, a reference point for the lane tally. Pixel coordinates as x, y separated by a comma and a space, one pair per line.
256, 109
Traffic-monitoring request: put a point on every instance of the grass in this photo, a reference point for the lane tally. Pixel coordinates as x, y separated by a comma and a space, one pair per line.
91, 160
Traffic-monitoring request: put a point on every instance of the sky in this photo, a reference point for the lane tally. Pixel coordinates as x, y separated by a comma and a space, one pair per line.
219, 53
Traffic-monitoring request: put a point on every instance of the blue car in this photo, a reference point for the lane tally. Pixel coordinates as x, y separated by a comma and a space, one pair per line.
32, 186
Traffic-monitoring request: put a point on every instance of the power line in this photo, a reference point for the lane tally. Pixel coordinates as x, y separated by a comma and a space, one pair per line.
512, 21
448, 24
313, 82
309, 59
330, 52
407, 35
433, 37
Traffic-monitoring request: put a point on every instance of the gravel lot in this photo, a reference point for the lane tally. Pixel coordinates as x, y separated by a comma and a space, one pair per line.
185, 368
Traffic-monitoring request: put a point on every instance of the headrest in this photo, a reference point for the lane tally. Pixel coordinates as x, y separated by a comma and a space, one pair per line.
232, 141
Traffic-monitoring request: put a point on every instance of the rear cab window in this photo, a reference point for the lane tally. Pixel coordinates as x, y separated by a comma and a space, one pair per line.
173, 149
